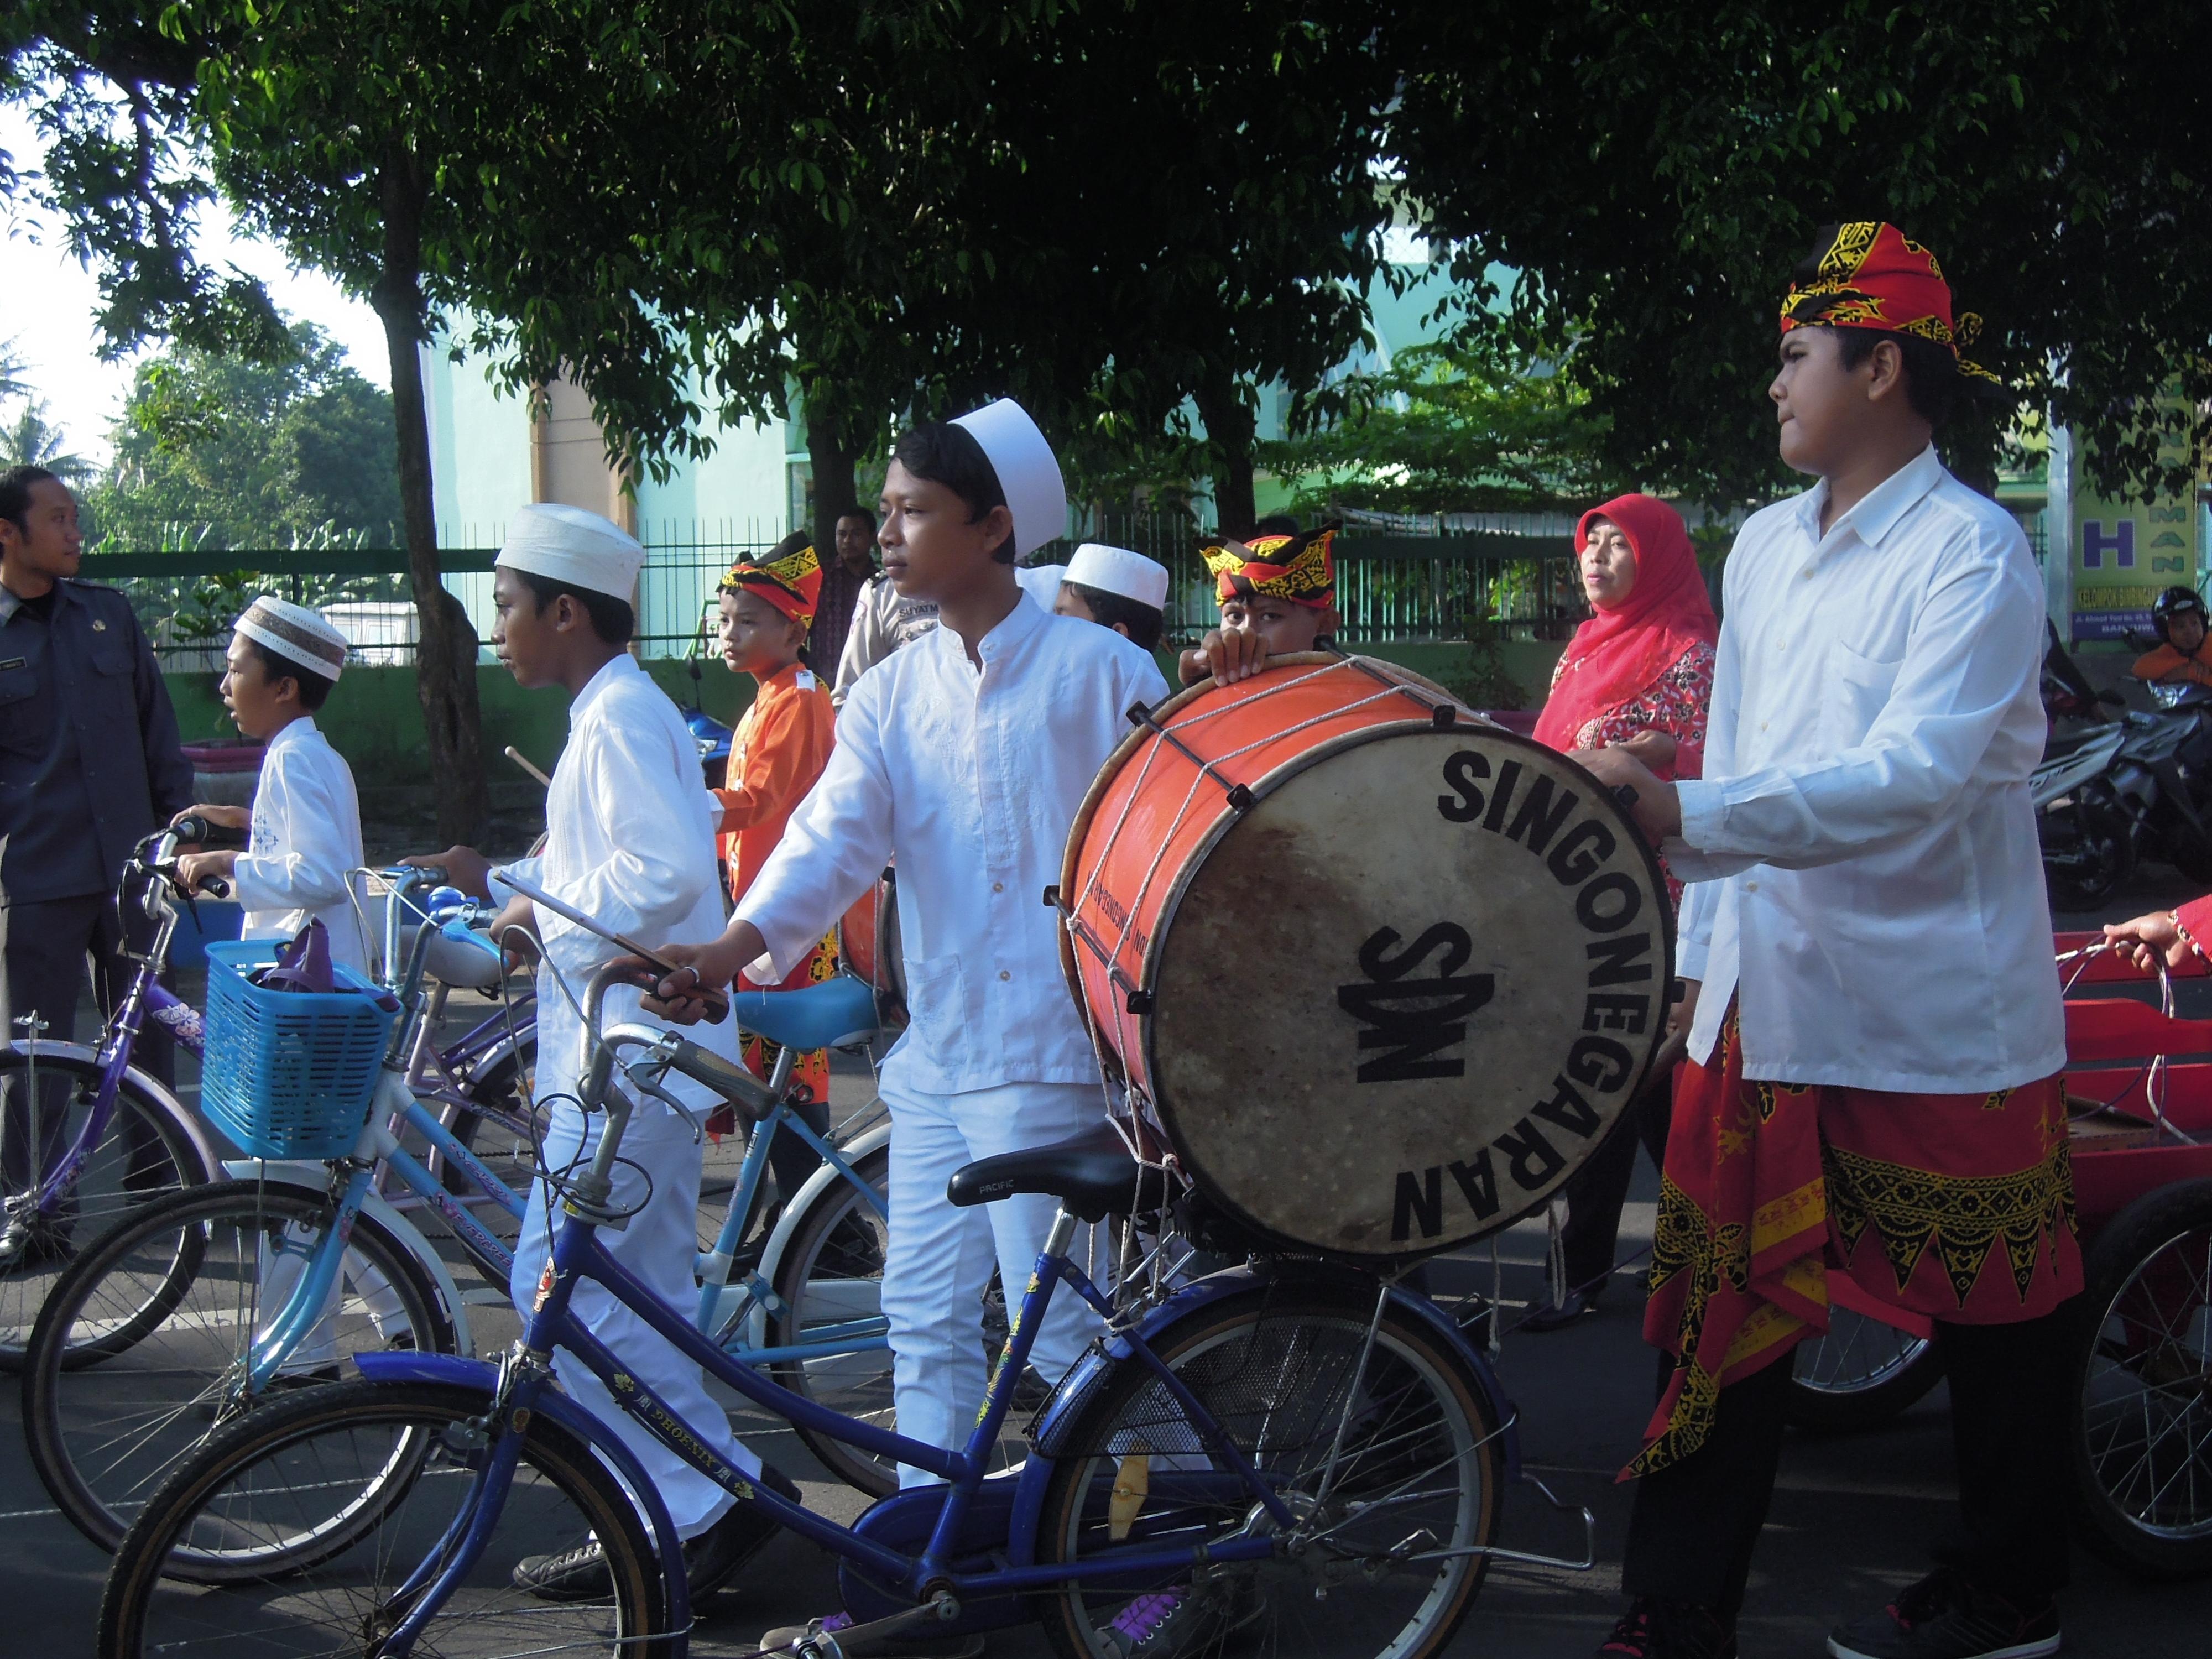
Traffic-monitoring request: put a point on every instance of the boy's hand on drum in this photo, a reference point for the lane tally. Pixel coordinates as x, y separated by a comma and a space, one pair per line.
1228, 654
1684, 1014
2146, 938
1657, 809
1655, 749
465, 867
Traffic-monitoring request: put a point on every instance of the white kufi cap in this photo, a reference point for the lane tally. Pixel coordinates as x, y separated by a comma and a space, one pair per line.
1027, 471
296, 633
1118, 570
571, 545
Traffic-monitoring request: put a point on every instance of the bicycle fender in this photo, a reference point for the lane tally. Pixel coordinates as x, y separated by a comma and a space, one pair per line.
820, 1181
315, 1177
1090, 1371
195, 1131
482, 1376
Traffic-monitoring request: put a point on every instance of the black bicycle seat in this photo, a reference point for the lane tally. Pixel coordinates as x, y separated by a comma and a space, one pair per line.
1092, 1174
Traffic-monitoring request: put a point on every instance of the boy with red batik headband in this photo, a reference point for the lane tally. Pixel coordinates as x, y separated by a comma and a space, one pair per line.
1278, 595
780, 748
1874, 1087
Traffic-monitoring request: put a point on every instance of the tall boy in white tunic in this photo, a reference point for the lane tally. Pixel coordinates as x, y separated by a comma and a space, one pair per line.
305, 827
629, 842
965, 755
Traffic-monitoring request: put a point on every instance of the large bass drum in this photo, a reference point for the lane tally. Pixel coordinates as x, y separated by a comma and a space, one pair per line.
1378, 975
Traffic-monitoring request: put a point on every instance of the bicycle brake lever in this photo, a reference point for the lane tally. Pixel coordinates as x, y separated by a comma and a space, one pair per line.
631, 1074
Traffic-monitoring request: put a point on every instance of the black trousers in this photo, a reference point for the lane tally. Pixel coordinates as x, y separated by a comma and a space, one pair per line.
48, 942
1696, 1523
1596, 1192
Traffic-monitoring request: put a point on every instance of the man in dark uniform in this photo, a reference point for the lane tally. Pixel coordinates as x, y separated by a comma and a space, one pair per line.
89, 761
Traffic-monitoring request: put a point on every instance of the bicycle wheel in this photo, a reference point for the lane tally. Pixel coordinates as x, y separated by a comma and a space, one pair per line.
832, 1274
1864, 1372
348, 1490
1378, 1561
2142, 1437
149, 1149
140, 1357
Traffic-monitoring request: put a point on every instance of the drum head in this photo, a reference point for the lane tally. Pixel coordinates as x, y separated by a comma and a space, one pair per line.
1404, 996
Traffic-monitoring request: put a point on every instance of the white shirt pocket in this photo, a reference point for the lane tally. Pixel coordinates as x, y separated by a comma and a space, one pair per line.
1861, 690
936, 1000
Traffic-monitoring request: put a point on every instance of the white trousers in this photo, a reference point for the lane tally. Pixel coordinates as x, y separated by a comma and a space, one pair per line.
940, 1258
660, 1246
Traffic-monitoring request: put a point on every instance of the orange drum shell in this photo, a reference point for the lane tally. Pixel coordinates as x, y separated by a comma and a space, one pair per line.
1156, 847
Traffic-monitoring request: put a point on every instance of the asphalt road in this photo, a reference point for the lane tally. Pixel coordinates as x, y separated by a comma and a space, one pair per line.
1851, 1522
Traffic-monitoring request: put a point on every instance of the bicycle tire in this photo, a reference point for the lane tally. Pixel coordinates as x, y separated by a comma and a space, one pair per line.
185, 1159
322, 1583
1279, 1369
104, 1420
2140, 1442
1860, 1374
502, 1126
841, 1233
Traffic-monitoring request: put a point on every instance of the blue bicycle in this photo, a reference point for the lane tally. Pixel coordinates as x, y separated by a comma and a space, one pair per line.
204, 1305
1307, 1455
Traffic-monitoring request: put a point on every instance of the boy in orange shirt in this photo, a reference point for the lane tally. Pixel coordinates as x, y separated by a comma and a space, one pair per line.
780, 746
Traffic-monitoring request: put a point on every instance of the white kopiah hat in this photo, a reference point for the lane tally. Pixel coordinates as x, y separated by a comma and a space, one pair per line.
1041, 581
571, 545
296, 633
1117, 570
1027, 471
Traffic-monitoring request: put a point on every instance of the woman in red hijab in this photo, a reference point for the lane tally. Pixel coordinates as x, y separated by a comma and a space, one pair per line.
1639, 675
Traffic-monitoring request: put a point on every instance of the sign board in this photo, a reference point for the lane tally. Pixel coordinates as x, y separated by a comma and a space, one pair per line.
2126, 553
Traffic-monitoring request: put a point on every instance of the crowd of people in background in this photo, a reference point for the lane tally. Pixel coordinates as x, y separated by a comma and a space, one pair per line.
1837, 780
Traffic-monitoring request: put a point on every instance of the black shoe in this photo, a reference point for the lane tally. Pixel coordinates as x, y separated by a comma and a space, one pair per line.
710, 1560
1944, 1617
715, 1556
1668, 1630
32, 1243
1558, 1316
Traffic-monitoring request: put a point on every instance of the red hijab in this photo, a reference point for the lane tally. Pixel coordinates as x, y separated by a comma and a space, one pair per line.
1617, 653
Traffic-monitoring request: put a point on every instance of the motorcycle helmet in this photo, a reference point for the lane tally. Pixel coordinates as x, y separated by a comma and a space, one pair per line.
2170, 604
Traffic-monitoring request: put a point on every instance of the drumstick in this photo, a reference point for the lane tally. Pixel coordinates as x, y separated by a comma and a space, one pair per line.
518, 757
537, 895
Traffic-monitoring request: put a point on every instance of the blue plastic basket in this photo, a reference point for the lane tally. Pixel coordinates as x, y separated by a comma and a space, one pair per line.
288, 1073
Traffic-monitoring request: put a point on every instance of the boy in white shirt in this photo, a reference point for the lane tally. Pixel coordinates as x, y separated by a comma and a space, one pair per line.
966, 756
629, 842
305, 825
1116, 588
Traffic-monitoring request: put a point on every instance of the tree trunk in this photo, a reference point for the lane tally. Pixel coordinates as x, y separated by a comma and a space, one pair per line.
1229, 429
835, 493
446, 658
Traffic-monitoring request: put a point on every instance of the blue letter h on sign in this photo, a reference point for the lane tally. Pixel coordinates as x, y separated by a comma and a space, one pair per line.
2094, 541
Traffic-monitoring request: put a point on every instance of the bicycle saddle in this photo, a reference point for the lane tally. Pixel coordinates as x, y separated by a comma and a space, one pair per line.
835, 1014
1092, 1174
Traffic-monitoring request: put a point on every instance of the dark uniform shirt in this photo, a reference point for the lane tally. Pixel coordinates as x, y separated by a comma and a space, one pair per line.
89, 760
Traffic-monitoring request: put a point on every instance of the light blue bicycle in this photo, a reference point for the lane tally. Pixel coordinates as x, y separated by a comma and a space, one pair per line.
208, 1304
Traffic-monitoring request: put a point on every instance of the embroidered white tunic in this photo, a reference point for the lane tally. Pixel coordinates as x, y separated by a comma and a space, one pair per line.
306, 837
971, 779
1862, 855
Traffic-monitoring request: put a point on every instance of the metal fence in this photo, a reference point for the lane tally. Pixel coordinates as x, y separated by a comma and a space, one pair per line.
1389, 588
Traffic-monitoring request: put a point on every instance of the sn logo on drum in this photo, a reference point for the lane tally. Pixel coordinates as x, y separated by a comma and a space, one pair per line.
1414, 1019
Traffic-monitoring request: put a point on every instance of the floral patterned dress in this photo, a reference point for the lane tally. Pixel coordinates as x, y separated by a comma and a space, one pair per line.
1676, 704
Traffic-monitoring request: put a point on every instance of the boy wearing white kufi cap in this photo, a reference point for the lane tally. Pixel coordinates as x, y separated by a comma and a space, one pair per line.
1117, 588
963, 756
304, 830
629, 842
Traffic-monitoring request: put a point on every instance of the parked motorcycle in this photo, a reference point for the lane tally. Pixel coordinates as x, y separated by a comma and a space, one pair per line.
2111, 794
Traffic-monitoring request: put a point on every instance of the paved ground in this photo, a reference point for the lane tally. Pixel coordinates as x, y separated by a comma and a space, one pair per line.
1851, 1521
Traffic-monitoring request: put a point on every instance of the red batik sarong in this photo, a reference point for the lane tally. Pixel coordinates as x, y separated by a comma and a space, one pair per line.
1954, 1206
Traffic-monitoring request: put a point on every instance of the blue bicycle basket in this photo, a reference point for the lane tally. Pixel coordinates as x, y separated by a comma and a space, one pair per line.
288, 1073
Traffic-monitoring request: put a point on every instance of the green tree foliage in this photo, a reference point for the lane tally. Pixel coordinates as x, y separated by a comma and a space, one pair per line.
258, 455
1450, 427
29, 439
1653, 173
